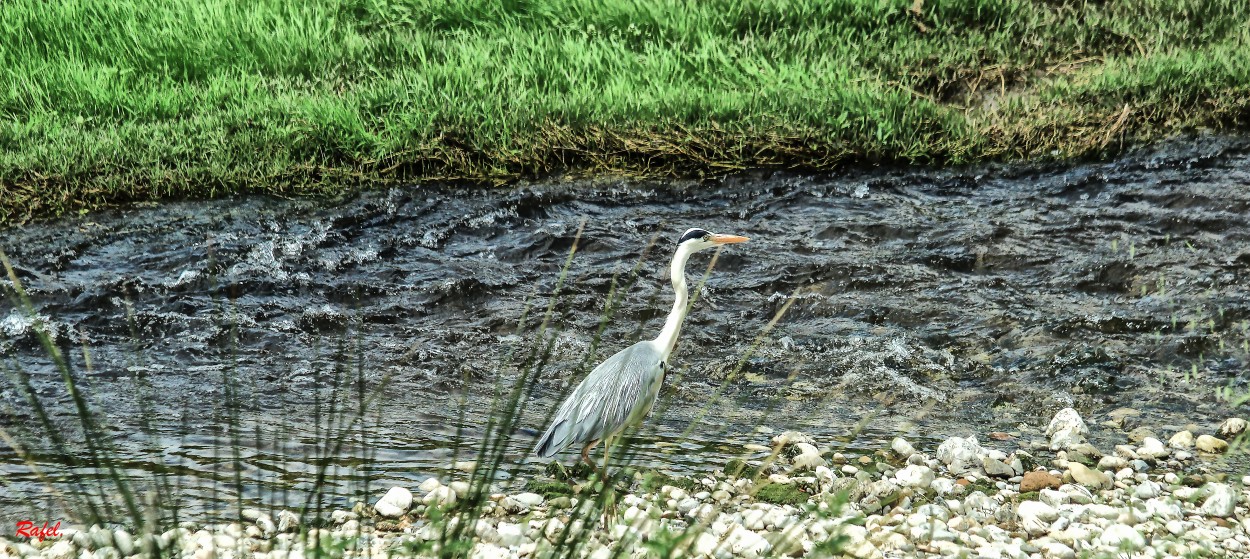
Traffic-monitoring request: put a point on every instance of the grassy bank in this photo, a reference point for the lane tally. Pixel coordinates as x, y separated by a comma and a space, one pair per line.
112, 100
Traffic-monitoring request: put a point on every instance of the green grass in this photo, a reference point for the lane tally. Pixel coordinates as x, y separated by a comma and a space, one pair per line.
105, 101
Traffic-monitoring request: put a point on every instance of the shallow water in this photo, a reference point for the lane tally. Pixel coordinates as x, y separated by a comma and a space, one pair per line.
927, 303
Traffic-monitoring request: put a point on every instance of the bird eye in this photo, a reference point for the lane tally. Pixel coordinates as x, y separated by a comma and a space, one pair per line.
707, 237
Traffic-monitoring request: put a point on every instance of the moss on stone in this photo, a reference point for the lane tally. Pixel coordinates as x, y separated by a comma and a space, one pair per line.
781, 494
737, 467
548, 489
653, 481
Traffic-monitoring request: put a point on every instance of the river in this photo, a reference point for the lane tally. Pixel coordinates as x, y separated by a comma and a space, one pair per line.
220, 344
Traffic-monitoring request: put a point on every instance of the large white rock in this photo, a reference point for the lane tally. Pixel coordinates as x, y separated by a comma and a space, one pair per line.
394, 503
945, 486
222, 542
289, 521
1099, 510
705, 545
902, 448
1066, 429
529, 499
1054, 497
857, 542
555, 531
1183, 440
1036, 516
1165, 509
1113, 463
748, 544
1077, 493
510, 534
824, 476
60, 550
511, 505
807, 461
489, 551
123, 542
1152, 448
266, 526
1121, 536
961, 455
1147, 490
753, 519
440, 496
919, 477
1057, 550
1207, 443
1232, 426
460, 487
1221, 502
979, 506
776, 518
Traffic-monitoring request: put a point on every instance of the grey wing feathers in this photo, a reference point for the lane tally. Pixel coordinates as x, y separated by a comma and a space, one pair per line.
606, 400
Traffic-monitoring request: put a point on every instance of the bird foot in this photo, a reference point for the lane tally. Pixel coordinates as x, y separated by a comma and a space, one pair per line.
577, 471
609, 506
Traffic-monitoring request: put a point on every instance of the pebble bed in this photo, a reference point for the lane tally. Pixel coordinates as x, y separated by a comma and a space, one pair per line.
1145, 498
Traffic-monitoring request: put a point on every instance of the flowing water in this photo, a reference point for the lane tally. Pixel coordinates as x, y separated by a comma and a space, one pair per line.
212, 338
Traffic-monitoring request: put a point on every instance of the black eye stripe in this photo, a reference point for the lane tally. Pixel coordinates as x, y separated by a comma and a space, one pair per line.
693, 234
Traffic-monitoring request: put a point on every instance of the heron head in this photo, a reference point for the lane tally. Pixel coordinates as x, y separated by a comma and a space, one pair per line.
700, 239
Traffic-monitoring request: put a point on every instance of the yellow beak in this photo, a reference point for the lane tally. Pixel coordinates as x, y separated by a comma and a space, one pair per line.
728, 239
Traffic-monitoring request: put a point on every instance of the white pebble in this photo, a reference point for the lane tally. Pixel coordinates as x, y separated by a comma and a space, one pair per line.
394, 503
1119, 535
902, 448
1036, 516
440, 496
529, 499
920, 477
1222, 502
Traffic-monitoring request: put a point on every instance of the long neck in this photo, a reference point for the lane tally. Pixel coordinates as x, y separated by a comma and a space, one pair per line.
672, 327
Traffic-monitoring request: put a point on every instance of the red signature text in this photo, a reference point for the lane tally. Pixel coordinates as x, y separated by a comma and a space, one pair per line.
28, 529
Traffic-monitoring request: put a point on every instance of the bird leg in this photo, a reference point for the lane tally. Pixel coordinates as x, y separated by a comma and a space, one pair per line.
609, 491
586, 456
607, 452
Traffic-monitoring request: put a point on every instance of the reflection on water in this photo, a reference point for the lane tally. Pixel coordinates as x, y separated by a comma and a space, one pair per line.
927, 303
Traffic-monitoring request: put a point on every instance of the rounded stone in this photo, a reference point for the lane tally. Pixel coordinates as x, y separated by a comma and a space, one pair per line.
1121, 536
1232, 427
1036, 481
902, 448
394, 503
1212, 445
1088, 477
1182, 440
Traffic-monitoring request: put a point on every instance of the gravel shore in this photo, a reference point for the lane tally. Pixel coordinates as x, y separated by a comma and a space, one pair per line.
1002, 497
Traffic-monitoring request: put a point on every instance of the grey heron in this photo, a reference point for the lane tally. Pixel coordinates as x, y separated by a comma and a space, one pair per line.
621, 391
